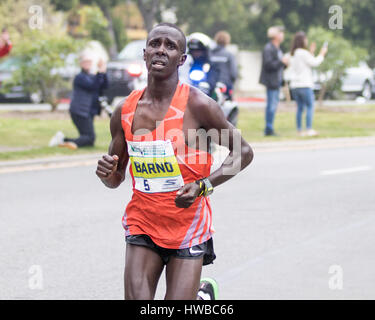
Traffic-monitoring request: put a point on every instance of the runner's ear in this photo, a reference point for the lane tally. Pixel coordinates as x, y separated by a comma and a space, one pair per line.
182, 60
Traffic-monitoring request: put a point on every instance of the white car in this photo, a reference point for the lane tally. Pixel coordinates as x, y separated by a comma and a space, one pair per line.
359, 81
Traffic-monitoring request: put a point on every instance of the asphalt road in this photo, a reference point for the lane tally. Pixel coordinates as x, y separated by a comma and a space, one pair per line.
297, 224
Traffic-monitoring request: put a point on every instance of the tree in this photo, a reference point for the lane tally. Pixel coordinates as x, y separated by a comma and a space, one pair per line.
120, 34
64, 5
210, 16
359, 24
106, 7
149, 10
92, 24
41, 55
341, 55
16, 16
40, 51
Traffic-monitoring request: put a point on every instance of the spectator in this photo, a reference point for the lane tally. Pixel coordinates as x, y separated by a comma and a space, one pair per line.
301, 81
84, 105
225, 61
5, 43
273, 63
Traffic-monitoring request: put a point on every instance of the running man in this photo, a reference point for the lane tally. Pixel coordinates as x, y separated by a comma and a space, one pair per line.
168, 221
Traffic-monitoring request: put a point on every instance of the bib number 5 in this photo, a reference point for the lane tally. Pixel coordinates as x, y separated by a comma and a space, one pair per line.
146, 185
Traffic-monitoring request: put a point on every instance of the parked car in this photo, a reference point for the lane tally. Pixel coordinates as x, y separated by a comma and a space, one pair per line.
7, 67
358, 81
127, 72
18, 94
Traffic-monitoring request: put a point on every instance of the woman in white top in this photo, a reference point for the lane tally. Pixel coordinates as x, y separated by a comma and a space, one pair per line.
301, 81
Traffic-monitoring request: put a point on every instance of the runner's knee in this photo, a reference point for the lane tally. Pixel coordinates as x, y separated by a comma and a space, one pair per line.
138, 288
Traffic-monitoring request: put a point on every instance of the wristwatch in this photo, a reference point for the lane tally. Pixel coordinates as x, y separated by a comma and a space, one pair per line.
205, 187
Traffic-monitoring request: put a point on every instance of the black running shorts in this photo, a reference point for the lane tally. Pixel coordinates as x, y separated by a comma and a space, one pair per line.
205, 250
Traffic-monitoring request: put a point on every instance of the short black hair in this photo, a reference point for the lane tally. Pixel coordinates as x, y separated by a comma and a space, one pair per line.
172, 25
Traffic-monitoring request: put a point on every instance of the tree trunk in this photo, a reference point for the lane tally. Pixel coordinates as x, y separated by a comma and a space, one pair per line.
148, 9
113, 50
322, 93
49, 95
53, 100
54, 103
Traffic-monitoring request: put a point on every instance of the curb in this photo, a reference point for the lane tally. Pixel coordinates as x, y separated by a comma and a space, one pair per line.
51, 160
274, 146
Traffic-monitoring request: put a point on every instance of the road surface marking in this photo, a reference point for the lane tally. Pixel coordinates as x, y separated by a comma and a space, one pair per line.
345, 170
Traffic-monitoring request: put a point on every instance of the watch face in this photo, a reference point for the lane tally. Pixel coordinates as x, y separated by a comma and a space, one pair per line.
207, 183
209, 186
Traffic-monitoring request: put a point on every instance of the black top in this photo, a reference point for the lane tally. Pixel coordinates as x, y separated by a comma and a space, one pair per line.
86, 91
226, 63
272, 66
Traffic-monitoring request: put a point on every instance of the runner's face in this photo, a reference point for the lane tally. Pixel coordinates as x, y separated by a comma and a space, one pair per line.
163, 53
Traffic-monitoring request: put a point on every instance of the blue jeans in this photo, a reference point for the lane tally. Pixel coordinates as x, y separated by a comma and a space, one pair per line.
305, 99
272, 102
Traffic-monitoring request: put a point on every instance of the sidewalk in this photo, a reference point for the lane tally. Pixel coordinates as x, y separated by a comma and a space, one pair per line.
49, 163
31, 106
244, 102
312, 144
219, 153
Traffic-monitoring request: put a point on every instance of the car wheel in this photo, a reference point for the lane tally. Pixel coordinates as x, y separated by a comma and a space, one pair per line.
367, 91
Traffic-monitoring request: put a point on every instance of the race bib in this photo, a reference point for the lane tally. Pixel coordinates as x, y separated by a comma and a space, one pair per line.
154, 166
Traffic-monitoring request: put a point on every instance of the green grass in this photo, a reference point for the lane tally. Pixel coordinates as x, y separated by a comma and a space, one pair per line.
349, 122
36, 133
18, 131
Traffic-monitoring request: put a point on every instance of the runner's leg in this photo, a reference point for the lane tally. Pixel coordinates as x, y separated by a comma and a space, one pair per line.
143, 268
183, 277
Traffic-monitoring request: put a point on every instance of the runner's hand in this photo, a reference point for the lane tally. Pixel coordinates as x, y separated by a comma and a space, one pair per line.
107, 166
186, 195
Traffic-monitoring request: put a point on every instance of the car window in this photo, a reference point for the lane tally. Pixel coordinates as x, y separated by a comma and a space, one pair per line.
133, 50
9, 64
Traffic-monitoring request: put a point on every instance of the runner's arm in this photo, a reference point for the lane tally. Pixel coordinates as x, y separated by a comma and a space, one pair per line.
211, 117
208, 115
111, 168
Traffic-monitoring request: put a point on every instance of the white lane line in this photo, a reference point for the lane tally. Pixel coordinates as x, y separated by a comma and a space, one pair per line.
345, 170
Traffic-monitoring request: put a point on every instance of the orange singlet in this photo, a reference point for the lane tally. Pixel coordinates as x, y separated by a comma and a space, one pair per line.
161, 163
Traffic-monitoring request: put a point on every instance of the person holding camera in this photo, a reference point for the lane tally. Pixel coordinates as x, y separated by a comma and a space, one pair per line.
301, 63
84, 105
